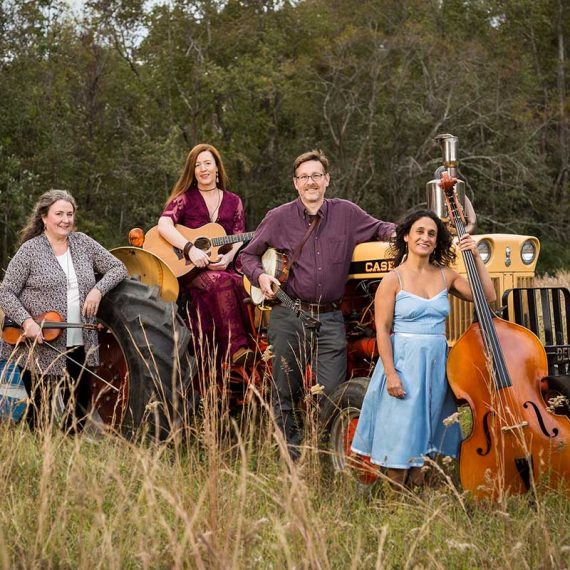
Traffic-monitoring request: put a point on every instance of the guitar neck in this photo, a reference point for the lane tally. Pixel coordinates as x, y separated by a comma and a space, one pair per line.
287, 302
235, 238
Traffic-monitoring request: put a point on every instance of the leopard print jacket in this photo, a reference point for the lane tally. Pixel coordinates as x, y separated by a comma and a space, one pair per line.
35, 283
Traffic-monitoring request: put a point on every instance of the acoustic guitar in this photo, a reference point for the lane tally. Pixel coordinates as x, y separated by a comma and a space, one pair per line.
210, 238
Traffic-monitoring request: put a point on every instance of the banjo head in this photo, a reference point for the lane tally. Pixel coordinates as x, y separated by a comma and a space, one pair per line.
257, 297
272, 265
269, 260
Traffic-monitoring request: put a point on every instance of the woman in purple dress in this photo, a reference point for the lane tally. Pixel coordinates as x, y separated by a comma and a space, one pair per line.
199, 197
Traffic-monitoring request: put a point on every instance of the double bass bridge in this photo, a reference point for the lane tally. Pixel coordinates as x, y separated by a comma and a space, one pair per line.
515, 427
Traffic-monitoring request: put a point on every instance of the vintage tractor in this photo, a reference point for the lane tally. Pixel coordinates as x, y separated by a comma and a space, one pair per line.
148, 355
511, 261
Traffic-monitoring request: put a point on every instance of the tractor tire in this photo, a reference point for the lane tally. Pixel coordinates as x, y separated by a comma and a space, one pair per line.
143, 355
340, 414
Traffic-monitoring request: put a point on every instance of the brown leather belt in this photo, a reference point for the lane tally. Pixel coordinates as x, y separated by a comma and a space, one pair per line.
318, 307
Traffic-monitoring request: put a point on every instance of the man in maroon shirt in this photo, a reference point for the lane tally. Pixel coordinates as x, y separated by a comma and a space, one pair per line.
316, 279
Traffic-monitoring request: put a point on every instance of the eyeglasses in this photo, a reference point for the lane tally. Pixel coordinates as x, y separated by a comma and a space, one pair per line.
314, 177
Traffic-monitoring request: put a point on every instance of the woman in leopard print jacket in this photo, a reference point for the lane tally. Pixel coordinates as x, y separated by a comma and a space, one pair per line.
55, 270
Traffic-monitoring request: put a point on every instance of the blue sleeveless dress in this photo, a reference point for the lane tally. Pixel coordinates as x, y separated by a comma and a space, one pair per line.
398, 433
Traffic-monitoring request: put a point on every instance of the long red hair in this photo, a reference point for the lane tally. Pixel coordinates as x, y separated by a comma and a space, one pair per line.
188, 177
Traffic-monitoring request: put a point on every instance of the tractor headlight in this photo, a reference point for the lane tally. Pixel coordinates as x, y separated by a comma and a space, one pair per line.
528, 252
136, 237
484, 247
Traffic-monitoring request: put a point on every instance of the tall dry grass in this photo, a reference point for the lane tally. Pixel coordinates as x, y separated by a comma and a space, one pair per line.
228, 497
72, 503
223, 493
561, 278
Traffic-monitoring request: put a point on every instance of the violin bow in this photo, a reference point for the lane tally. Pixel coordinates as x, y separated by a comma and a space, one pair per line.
53, 325
60, 324
82, 366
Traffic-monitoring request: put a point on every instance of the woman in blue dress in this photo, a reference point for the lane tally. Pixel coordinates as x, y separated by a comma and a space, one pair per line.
401, 420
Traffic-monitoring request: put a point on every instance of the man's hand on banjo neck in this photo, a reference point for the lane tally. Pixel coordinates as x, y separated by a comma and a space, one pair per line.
268, 285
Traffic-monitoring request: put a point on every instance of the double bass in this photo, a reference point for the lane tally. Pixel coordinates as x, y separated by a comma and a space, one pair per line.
496, 366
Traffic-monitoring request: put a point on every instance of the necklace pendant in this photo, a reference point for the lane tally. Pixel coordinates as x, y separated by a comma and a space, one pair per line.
214, 212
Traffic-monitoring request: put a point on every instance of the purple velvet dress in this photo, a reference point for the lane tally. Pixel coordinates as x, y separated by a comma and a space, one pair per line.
216, 298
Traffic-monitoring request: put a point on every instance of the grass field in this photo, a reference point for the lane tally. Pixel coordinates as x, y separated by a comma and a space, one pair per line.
71, 502
226, 497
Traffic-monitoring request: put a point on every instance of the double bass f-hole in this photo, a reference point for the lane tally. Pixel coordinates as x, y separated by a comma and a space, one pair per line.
540, 420
488, 417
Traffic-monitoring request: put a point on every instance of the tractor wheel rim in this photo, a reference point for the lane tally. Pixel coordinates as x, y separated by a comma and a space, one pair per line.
112, 406
342, 434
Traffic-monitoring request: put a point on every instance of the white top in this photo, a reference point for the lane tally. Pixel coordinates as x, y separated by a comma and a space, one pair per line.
74, 335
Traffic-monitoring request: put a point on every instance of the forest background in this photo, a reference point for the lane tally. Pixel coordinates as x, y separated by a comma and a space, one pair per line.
106, 101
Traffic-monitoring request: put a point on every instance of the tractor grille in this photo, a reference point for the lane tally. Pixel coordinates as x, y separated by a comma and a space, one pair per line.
459, 319
546, 312
461, 314
524, 282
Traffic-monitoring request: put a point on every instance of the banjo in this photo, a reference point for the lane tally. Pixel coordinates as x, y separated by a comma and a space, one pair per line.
276, 263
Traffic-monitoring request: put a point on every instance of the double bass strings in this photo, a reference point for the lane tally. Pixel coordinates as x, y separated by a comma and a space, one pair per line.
498, 366
482, 308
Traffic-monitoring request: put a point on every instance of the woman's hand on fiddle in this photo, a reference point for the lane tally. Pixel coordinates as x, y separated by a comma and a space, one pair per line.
198, 257
222, 263
266, 284
91, 304
32, 330
394, 386
467, 243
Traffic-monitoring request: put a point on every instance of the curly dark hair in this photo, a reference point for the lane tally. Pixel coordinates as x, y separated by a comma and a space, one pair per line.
442, 254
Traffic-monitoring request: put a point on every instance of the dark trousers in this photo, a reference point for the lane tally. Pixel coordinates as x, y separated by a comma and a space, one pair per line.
293, 348
74, 391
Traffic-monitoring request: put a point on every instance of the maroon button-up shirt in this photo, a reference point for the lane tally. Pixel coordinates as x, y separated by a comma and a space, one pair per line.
319, 275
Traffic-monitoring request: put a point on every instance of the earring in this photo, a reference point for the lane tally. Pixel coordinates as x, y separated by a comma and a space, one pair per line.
217, 177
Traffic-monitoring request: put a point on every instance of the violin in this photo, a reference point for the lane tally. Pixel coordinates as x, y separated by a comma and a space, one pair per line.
51, 323
496, 367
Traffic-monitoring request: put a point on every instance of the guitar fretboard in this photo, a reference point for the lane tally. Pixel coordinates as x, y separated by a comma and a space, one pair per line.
224, 240
285, 299
309, 320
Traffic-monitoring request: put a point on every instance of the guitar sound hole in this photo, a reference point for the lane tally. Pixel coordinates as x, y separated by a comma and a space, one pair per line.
203, 244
